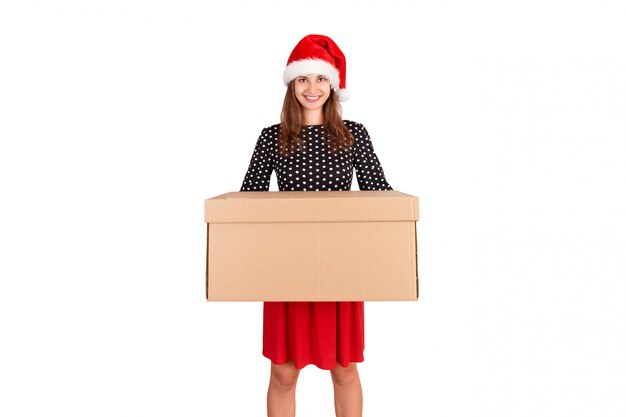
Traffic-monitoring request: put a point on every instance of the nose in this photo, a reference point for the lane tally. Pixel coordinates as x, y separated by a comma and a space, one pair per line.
312, 86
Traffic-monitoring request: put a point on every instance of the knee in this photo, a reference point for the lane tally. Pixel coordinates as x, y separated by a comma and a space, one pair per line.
284, 377
345, 376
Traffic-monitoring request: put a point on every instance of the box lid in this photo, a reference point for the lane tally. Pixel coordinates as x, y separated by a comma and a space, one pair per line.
311, 206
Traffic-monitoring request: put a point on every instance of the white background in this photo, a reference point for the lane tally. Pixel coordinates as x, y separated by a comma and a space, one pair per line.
507, 119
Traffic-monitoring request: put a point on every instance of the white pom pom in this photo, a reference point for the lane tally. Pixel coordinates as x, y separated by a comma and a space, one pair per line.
342, 94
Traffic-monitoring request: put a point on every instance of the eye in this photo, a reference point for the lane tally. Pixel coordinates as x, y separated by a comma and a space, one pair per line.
322, 79
301, 80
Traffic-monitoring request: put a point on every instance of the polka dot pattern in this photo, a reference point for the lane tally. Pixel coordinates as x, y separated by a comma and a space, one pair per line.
316, 167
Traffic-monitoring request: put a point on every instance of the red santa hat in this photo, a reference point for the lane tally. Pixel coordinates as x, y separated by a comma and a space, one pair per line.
318, 54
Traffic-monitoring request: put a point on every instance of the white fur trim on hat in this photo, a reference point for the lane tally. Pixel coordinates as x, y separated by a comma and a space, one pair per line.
311, 66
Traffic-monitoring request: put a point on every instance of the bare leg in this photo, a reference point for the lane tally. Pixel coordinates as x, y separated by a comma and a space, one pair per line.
348, 393
281, 394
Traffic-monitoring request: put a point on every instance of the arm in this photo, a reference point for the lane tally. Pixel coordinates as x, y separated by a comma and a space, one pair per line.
369, 172
261, 165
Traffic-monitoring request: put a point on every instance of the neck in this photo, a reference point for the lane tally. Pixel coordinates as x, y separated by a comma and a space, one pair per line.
313, 117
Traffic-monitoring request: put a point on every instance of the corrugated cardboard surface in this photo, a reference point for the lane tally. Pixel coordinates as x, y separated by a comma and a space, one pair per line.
312, 246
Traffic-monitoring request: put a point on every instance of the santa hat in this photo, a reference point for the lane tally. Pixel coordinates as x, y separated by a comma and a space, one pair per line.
318, 54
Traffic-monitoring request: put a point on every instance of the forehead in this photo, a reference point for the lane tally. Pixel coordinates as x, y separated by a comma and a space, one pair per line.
312, 76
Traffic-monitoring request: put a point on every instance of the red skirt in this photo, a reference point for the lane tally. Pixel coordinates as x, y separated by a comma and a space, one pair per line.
318, 333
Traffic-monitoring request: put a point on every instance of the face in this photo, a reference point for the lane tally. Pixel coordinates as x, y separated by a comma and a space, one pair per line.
312, 91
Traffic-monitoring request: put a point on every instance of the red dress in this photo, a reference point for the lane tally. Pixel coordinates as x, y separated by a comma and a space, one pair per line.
319, 333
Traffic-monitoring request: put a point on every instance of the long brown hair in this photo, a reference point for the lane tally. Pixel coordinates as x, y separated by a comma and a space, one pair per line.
291, 123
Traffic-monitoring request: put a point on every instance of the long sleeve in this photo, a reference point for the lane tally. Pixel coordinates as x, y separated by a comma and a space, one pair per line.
369, 172
261, 164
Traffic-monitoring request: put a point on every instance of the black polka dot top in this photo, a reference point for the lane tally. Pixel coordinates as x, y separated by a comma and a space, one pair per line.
315, 167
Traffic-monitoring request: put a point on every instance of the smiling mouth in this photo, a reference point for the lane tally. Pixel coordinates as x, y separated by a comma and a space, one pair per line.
312, 99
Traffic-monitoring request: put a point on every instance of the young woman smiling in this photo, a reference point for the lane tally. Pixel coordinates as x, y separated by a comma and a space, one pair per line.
314, 149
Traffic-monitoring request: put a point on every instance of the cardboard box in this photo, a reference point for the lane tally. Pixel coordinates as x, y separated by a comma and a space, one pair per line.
312, 246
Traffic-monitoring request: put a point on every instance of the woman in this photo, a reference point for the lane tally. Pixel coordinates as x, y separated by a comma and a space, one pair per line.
313, 149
